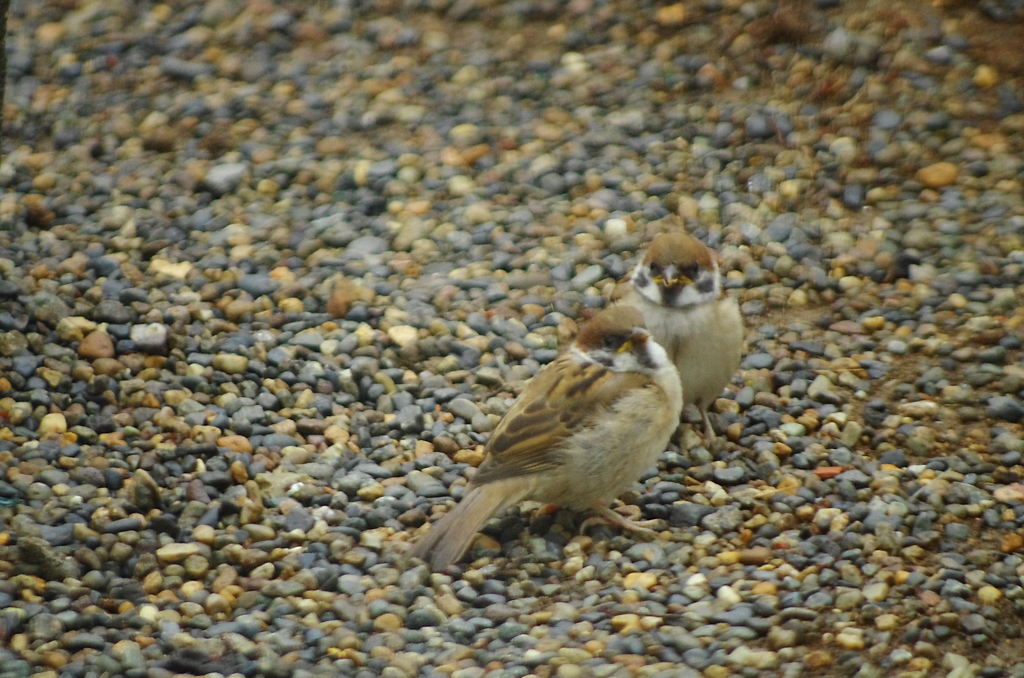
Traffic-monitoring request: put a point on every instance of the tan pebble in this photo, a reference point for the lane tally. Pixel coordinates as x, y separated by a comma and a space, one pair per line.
197, 567
45, 181
919, 409
204, 534
473, 457
734, 431
179, 270
230, 363
112, 438
331, 146
1013, 492
371, 492
263, 154
626, 623
449, 604
876, 591
285, 427
107, 366
52, 424
387, 622
403, 335
291, 305
671, 15
176, 553
251, 514
239, 308
764, 588
791, 188
938, 175
53, 659
758, 555
482, 541
235, 443
645, 580
238, 472
986, 76
789, 485
886, 622
227, 577
988, 595
95, 345
267, 187
189, 589
873, 323
336, 435
216, 604
51, 32
153, 583
154, 120
74, 328
161, 140
958, 301
850, 641
817, 659
729, 557
1012, 542
919, 664
716, 671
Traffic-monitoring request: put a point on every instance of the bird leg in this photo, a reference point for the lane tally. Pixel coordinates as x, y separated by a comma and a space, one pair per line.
615, 517
709, 430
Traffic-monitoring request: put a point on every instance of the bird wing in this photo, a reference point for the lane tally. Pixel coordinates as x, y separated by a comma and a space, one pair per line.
554, 405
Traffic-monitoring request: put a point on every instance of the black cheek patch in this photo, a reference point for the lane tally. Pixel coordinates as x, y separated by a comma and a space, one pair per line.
669, 294
641, 279
706, 284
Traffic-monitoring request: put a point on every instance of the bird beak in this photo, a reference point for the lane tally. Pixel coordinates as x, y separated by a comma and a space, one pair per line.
671, 281
639, 338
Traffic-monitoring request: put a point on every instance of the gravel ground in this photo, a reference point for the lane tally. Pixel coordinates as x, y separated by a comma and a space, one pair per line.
272, 272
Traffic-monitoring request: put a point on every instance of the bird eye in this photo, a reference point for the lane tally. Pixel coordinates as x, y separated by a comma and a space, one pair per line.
611, 342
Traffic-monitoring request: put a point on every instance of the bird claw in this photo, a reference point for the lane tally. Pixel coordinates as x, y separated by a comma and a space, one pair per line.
612, 517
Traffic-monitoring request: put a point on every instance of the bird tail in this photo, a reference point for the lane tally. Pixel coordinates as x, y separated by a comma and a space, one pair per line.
449, 538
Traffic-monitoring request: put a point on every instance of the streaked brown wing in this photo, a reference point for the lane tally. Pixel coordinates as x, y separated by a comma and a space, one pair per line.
553, 406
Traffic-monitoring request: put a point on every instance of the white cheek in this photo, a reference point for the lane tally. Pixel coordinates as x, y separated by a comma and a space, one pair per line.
691, 296
657, 354
651, 293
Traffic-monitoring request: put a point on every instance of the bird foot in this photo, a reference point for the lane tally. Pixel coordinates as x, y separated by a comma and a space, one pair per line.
612, 517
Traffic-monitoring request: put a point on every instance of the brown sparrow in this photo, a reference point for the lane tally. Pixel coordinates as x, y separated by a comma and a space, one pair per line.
581, 433
677, 288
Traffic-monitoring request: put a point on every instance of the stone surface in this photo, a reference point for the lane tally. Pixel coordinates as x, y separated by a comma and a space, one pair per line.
270, 276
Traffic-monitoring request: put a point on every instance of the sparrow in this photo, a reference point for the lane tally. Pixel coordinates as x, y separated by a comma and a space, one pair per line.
582, 431
677, 288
